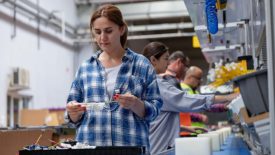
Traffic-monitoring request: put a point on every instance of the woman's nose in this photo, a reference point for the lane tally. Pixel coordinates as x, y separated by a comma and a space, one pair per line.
103, 36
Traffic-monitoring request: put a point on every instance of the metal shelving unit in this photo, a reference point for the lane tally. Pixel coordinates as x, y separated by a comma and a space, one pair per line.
270, 37
245, 27
240, 28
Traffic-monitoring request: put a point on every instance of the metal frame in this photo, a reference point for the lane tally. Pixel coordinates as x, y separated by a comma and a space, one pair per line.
270, 34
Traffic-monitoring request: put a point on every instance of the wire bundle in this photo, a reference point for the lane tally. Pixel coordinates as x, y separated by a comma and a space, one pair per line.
211, 16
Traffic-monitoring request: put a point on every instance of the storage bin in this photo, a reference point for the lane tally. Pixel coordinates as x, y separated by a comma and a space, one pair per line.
254, 90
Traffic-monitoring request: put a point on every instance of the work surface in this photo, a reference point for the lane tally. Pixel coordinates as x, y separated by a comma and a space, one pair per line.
233, 146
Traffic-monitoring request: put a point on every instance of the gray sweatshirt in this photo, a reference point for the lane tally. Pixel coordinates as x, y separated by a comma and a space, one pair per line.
165, 128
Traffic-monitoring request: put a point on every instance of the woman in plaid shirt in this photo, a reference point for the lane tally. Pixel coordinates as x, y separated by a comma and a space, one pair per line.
114, 95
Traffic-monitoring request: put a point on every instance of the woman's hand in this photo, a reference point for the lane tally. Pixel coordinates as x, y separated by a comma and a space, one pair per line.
232, 96
75, 110
127, 101
225, 98
131, 102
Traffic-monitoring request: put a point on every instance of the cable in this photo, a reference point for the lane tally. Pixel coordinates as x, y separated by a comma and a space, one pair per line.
211, 16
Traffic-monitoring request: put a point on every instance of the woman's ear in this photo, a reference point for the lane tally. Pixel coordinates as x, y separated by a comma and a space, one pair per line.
122, 30
153, 60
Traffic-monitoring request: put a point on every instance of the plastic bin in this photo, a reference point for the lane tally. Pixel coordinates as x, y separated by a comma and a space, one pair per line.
254, 90
248, 59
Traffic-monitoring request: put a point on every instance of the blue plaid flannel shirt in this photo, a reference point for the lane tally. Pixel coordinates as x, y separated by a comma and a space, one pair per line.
120, 127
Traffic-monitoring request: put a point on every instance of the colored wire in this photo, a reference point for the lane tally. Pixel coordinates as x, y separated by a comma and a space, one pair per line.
211, 16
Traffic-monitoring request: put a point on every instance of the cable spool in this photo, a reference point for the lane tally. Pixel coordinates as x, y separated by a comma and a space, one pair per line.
211, 16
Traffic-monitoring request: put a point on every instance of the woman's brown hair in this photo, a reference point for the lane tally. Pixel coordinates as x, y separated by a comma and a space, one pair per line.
113, 14
156, 49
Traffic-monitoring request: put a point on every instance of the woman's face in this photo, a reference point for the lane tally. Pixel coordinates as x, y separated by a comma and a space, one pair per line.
161, 63
107, 34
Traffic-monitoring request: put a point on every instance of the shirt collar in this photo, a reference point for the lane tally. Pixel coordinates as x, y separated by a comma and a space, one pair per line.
127, 56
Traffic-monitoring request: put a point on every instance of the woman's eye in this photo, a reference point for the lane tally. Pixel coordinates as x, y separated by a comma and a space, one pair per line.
108, 31
97, 32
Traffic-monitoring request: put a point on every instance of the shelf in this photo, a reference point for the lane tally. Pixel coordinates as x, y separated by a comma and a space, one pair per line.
17, 88
17, 91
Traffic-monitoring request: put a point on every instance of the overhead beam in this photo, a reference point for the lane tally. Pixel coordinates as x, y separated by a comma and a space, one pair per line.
151, 27
139, 37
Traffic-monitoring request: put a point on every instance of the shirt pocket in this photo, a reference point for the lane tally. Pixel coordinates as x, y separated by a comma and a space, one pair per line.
136, 86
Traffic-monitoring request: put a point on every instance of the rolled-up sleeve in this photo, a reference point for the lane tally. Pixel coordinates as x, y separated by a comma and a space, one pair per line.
75, 94
176, 100
152, 99
76, 91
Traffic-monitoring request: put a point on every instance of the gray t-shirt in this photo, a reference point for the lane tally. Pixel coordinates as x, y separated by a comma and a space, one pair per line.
165, 128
